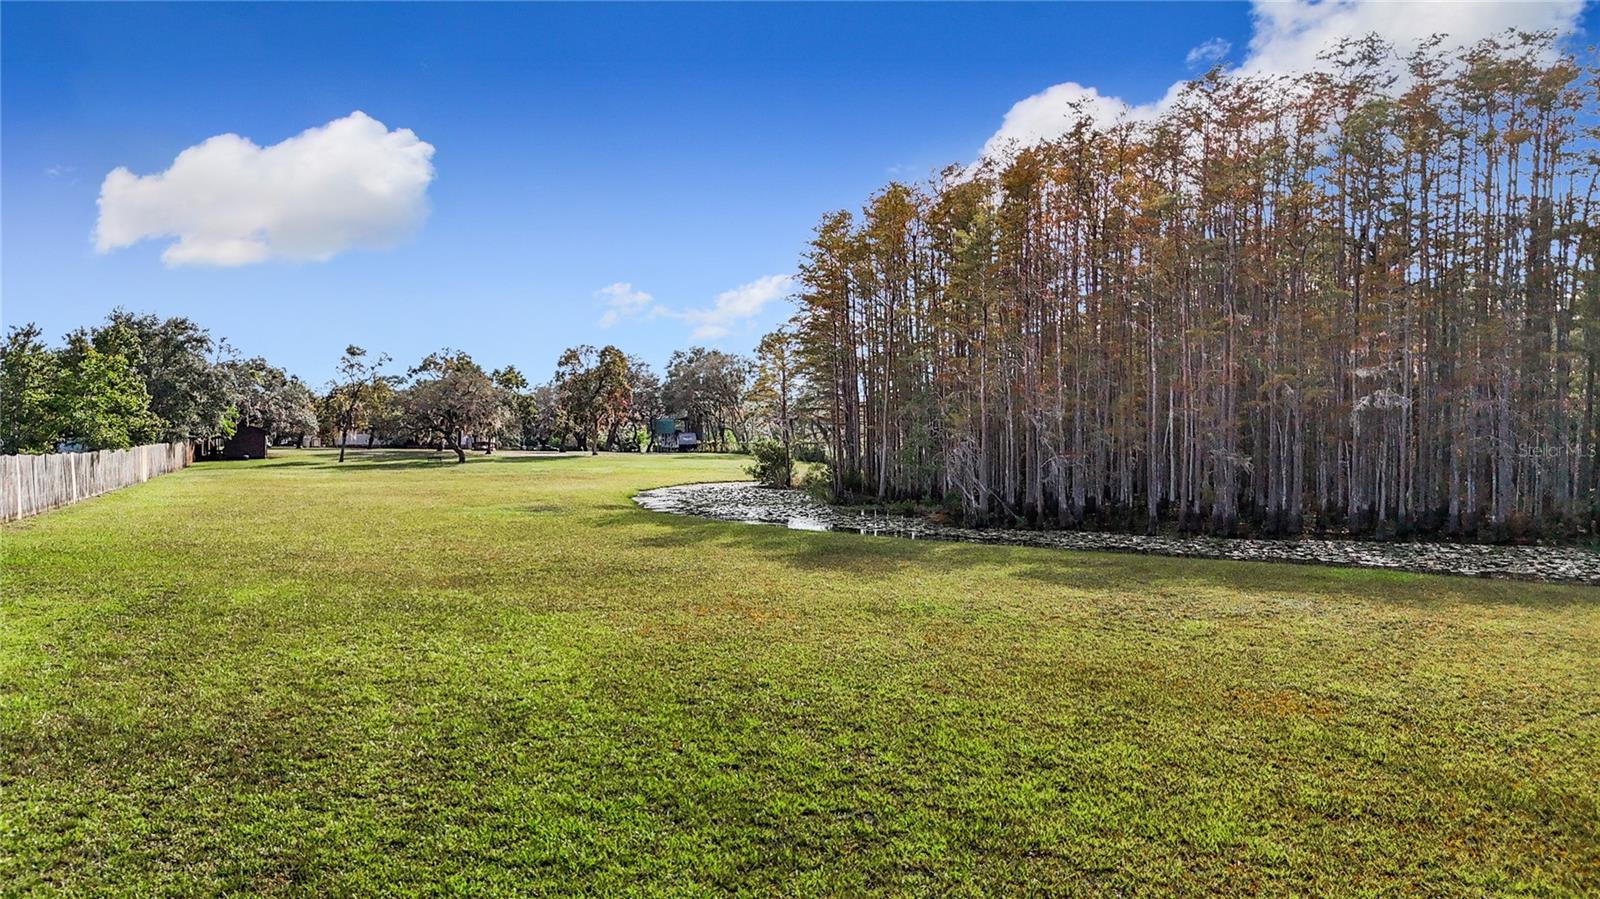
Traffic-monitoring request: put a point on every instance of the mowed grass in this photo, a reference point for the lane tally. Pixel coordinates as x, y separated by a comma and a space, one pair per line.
401, 675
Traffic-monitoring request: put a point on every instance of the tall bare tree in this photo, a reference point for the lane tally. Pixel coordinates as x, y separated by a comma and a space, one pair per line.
1362, 299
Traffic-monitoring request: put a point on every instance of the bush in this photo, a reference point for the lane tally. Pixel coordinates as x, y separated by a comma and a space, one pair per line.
773, 466
810, 453
818, 483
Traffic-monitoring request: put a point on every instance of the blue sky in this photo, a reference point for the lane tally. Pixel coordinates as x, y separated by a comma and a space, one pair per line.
683, 150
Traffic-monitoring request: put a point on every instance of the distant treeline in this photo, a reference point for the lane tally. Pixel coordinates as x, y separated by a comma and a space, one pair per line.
598, 398
137, 379
1361, 299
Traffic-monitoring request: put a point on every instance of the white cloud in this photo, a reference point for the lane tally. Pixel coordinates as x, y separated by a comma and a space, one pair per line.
1286, 36
621, 302
1208, 54
732, 307
1051, 113
351, 183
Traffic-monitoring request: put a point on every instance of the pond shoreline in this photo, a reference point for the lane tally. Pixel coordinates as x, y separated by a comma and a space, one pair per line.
750, 503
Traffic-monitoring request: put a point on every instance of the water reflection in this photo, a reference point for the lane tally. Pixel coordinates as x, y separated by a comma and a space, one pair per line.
802, 523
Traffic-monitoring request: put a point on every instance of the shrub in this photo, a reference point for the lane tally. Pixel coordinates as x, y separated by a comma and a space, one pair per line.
814, 453
773, 466
818, 483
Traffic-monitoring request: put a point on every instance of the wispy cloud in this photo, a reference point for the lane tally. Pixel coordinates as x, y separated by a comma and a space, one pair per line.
1208, 54
621, 301
732, 308
350, 183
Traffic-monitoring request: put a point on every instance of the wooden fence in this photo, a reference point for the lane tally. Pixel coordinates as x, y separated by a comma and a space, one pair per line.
33, 484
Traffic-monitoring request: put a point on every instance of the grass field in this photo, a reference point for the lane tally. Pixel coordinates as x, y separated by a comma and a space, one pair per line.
401, 675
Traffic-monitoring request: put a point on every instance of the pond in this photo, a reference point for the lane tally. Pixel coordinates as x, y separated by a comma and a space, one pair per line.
748, 502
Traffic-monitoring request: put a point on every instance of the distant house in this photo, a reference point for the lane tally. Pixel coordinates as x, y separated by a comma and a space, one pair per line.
248, 442
663, 434
672, 434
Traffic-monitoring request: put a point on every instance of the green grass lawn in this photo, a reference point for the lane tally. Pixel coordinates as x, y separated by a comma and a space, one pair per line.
403, 675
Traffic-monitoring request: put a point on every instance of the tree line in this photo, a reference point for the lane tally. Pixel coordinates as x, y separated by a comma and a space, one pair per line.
137, 379
596, 399
1360, 299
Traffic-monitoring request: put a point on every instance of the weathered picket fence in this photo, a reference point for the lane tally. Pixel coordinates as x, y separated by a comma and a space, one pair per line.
33, 484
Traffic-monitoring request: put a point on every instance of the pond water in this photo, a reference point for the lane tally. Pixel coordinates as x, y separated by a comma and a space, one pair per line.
750, 503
